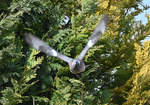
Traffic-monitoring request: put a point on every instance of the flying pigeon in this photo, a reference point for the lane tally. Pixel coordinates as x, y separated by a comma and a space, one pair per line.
76, 65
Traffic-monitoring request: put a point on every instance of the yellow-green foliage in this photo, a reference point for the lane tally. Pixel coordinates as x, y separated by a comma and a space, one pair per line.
140, 91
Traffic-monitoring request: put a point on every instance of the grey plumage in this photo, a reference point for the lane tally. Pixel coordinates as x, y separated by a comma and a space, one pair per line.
99, 30
76, 65
40, 45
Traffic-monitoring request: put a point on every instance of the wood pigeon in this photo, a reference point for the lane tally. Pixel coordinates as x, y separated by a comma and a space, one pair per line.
76, 65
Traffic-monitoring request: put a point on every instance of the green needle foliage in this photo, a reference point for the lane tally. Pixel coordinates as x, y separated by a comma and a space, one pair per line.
117, 66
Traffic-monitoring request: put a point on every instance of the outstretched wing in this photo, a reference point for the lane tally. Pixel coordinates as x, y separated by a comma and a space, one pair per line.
40, 45
100, 29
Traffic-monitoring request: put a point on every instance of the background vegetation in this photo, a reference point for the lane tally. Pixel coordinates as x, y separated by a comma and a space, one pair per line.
118, 71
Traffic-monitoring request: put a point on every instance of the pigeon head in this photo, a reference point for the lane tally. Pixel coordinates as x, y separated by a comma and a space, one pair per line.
77, 66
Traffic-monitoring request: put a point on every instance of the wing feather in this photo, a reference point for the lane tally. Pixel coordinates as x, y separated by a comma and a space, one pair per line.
40, 45
99, 30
